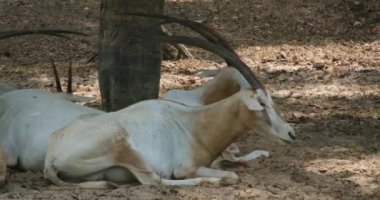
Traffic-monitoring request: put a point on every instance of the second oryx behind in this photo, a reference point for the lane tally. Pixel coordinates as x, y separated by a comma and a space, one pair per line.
29, 116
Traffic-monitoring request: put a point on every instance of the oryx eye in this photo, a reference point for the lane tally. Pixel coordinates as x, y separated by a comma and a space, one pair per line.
262, 104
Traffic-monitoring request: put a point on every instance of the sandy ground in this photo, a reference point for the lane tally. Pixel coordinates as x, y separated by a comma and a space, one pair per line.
323, 53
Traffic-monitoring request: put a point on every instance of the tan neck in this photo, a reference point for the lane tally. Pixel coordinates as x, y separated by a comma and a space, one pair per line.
230, 80
216, 126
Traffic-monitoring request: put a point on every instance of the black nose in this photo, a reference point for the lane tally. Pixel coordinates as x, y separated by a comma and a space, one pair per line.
291, 135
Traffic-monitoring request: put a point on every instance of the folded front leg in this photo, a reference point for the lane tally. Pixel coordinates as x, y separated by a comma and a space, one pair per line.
226, 176
230, 156
251, 156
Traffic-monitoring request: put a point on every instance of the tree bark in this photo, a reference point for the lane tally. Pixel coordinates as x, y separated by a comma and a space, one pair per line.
128, 67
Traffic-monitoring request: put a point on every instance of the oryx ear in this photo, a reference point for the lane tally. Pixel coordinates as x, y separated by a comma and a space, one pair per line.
252, 103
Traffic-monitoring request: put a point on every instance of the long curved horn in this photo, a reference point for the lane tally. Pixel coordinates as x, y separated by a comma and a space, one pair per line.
50, 32
206, 31
56, 77
213, 37
218, 50
70, 78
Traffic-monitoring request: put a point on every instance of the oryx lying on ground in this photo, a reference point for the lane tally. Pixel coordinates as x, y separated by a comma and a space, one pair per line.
5, 88
158, 141
161, 141
29, 116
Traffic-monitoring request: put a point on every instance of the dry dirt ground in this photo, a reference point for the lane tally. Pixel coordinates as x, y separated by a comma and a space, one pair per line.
323, 54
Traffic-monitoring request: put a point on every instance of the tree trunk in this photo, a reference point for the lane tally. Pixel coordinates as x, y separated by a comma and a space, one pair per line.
128, 67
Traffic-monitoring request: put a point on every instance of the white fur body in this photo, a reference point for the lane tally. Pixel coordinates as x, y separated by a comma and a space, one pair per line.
27, 118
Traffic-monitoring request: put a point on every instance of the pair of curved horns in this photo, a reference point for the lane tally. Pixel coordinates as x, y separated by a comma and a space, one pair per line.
50, 32
215, 43
69, 78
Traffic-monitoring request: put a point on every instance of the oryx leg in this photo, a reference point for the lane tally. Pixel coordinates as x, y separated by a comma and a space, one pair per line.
225, 176
192, 181
229, 155
251, 156
78, 170
85, 160
137, 166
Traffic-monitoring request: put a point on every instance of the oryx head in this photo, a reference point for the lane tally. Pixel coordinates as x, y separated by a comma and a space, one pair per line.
266, 119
